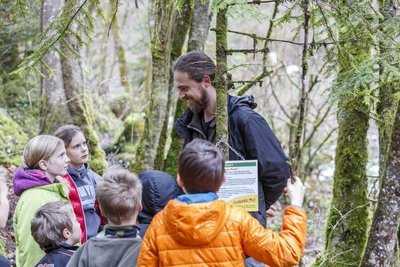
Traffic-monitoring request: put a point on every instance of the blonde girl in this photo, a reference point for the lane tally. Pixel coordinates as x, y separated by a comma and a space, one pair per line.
37, 183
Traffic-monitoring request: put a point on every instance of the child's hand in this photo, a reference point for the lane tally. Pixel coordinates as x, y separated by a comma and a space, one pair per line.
270, 213
295, 192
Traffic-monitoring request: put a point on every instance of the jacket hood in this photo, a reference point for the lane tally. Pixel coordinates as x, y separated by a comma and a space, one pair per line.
25, 179
158, 188
238, 101
76, 174
195, 224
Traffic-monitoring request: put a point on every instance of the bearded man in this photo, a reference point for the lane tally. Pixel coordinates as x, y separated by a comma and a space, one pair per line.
249, 133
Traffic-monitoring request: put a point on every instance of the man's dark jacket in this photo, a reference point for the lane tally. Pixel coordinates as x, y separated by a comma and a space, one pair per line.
251, 136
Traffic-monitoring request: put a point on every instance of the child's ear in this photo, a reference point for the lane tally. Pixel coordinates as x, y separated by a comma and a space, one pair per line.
180, 183
179, 180
139, 207
42, 165
66, 234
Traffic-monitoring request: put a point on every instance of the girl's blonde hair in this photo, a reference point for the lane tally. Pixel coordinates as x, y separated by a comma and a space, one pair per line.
41, 147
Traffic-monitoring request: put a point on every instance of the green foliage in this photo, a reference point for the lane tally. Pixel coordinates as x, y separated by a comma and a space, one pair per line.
76, 19
238, 9
12, 141
17, 92
133, 127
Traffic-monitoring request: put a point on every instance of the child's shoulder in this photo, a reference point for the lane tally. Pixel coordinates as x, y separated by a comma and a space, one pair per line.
93, 175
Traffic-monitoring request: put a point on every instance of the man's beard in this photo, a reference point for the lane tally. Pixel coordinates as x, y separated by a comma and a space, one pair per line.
197, 105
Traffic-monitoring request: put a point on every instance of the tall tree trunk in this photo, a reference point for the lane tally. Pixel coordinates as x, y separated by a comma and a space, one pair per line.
199, 29
120, 51
179, 32
383, 234
221, 86
199, 26
53, 107
122, 62
348, 215
161, 44
79, 108
381, 246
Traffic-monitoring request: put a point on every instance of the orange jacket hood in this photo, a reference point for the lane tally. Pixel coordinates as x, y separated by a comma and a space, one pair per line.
195, 224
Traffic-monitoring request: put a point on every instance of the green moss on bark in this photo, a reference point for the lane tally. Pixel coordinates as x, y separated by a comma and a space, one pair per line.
12, 141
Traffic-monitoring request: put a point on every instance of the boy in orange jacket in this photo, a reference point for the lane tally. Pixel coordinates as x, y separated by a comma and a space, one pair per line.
198, 229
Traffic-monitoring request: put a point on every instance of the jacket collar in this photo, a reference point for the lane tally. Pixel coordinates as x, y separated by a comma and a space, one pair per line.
197, 198
62, 248
123, 231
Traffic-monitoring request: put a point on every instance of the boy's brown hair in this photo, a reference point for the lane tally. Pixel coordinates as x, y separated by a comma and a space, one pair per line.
201, 167
49, 223
119, 194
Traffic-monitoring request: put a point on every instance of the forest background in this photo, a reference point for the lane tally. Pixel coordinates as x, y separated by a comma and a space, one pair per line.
325, 75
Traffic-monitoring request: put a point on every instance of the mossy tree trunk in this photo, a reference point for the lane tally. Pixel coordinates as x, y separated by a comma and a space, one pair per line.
348, 216
120, 51
382, 241
53, 107
79, 106
221, 81
122, 62
164, 12
179, 32
199, 27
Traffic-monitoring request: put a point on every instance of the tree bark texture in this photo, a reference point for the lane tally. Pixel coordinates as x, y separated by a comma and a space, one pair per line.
383, 234
221, 82
179, 32
161, 43
381, 246
348, 216
53, 106
122, 62
79, 108
198, 33
200, 25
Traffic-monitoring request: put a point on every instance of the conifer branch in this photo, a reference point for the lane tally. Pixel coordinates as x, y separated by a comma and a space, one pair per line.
61, 33
37, 56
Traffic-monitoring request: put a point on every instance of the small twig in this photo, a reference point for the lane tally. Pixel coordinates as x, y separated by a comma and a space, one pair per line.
279, 102
296, 153
261, 2
247, 51
257, 79
279, 40
113, 18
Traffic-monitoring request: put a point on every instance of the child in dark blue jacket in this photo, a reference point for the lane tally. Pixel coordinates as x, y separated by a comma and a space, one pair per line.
158, 188
56, 230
